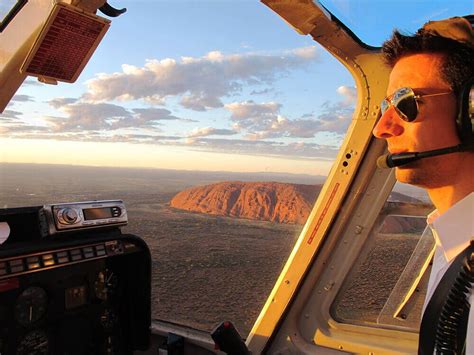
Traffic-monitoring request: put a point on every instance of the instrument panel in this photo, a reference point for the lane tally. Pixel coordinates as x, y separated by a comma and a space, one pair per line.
84, 295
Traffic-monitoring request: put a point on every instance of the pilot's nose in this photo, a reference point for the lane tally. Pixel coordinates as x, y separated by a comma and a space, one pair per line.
389, 125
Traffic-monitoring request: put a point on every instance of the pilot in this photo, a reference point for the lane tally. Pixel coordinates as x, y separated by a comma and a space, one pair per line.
426, 110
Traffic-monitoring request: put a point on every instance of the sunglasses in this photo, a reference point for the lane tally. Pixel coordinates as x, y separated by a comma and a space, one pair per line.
405, 102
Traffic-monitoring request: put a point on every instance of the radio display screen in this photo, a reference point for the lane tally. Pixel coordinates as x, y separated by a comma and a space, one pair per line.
97, 213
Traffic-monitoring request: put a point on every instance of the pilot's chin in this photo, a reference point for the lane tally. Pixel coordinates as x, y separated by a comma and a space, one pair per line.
408, 175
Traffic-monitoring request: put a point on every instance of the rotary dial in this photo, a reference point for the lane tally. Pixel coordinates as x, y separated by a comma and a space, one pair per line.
68, 215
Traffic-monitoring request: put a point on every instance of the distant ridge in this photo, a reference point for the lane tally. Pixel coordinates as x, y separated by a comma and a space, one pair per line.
196, 176
268, 201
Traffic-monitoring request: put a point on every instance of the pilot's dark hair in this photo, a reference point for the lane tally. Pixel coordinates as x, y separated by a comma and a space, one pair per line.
458, 66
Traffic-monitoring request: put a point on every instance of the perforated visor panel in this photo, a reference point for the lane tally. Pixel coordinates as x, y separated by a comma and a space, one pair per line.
65, 44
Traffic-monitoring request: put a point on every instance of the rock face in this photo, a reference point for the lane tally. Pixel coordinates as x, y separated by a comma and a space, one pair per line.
269, 201
280, 203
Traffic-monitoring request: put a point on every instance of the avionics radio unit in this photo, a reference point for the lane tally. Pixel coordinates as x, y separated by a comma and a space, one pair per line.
70, 217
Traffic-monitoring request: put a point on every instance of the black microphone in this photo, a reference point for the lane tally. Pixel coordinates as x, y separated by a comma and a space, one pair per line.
388, 161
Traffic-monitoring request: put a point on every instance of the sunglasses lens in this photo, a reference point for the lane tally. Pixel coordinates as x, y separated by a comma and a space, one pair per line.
407, 106
384, 105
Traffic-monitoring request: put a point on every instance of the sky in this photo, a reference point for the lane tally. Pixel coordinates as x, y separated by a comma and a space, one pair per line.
219, 85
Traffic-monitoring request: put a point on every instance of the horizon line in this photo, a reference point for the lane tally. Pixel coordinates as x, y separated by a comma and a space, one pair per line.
166, 169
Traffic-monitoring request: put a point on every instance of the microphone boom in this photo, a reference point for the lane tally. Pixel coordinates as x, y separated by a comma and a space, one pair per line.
388, 161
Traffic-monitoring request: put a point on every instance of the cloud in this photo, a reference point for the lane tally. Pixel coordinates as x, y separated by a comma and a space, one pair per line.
22, 98
261, 92
249, 110
20, 128
17, 129
84, 116
87, 122
306, 52
31, 82
61, 101
96, 136
256, 123
151, 115
201, 82
264, 120
299, 150
281, 126
258, 120
349, 93
9, 115
210, 131
335, 117
200, 102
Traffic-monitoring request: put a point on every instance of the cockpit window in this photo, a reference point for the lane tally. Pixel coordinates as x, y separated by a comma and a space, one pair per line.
381, 17
8, 10
217, 129
387, 284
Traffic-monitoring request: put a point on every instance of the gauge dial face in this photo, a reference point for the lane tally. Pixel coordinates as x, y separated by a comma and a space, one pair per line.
31, 305
105, 284
34, 343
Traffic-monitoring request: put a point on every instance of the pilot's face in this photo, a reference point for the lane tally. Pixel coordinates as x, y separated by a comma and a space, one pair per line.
433, 128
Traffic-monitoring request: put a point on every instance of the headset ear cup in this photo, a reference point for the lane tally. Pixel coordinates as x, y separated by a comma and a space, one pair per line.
465, 119
470, 114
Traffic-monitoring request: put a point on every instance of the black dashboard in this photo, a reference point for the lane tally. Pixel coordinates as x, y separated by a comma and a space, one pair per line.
85, 292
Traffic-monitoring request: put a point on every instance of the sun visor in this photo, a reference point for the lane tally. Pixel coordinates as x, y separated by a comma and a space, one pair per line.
65, 44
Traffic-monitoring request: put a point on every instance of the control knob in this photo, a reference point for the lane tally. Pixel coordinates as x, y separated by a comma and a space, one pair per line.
68, 215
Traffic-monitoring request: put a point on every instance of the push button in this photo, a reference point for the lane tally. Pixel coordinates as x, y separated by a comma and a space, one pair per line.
48, 259
100, 249
33, 263
76, 254
116, 211
3, 268
62, 257
17, 265
88, 252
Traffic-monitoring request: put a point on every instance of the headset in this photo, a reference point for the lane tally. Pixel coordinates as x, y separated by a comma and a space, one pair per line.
465, 117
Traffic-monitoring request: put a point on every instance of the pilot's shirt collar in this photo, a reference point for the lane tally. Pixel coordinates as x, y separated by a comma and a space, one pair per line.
453, 229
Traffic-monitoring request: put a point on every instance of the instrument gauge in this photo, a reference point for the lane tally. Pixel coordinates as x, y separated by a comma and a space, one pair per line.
34, 343
105, 284
31, 305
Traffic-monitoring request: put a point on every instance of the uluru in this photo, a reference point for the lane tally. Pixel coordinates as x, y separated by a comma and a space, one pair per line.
264, 201
269, 201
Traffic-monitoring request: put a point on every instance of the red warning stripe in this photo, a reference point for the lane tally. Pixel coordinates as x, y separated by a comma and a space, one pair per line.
323, 214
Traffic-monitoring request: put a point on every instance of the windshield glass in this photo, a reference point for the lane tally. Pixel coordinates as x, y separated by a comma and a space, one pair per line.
381, 17
5, 7
210, 121
8, 10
